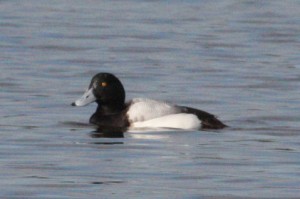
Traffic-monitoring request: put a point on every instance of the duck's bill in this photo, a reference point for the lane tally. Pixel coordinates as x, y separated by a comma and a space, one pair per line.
87, 98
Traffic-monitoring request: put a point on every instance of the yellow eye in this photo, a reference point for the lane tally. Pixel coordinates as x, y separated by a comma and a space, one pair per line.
103, 84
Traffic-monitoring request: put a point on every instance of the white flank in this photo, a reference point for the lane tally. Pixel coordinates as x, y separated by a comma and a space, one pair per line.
178, 121
146, 109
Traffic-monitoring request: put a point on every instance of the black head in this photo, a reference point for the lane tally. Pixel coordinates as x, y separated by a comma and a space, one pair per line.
105, 89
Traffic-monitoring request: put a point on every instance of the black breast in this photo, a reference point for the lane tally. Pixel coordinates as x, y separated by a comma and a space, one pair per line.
115, 120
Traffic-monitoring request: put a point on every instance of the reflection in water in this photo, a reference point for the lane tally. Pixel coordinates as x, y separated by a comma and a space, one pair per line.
100, 132
75, 124
108, 132
151, 135
107, 182
106, 143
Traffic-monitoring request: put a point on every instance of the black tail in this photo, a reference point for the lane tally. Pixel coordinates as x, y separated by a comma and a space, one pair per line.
212, 123
208, 120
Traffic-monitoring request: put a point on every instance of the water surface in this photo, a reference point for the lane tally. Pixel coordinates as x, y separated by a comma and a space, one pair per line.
238, 60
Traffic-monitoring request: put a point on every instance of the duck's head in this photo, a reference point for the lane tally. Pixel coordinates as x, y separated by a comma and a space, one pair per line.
105, 89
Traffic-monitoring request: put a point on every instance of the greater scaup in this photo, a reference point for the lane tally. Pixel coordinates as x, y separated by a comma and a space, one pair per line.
108, 92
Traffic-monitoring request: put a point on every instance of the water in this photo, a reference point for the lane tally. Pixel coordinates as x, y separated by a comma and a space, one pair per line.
236, 59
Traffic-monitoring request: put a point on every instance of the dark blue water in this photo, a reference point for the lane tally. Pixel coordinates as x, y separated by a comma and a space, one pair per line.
236, 59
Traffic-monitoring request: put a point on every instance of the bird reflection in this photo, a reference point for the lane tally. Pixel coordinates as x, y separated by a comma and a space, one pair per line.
108, 132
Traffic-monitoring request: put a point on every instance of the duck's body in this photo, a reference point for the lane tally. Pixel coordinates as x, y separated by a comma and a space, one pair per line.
112, 110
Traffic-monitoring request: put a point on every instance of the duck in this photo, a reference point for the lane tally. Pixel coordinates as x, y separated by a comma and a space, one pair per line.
114, 112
